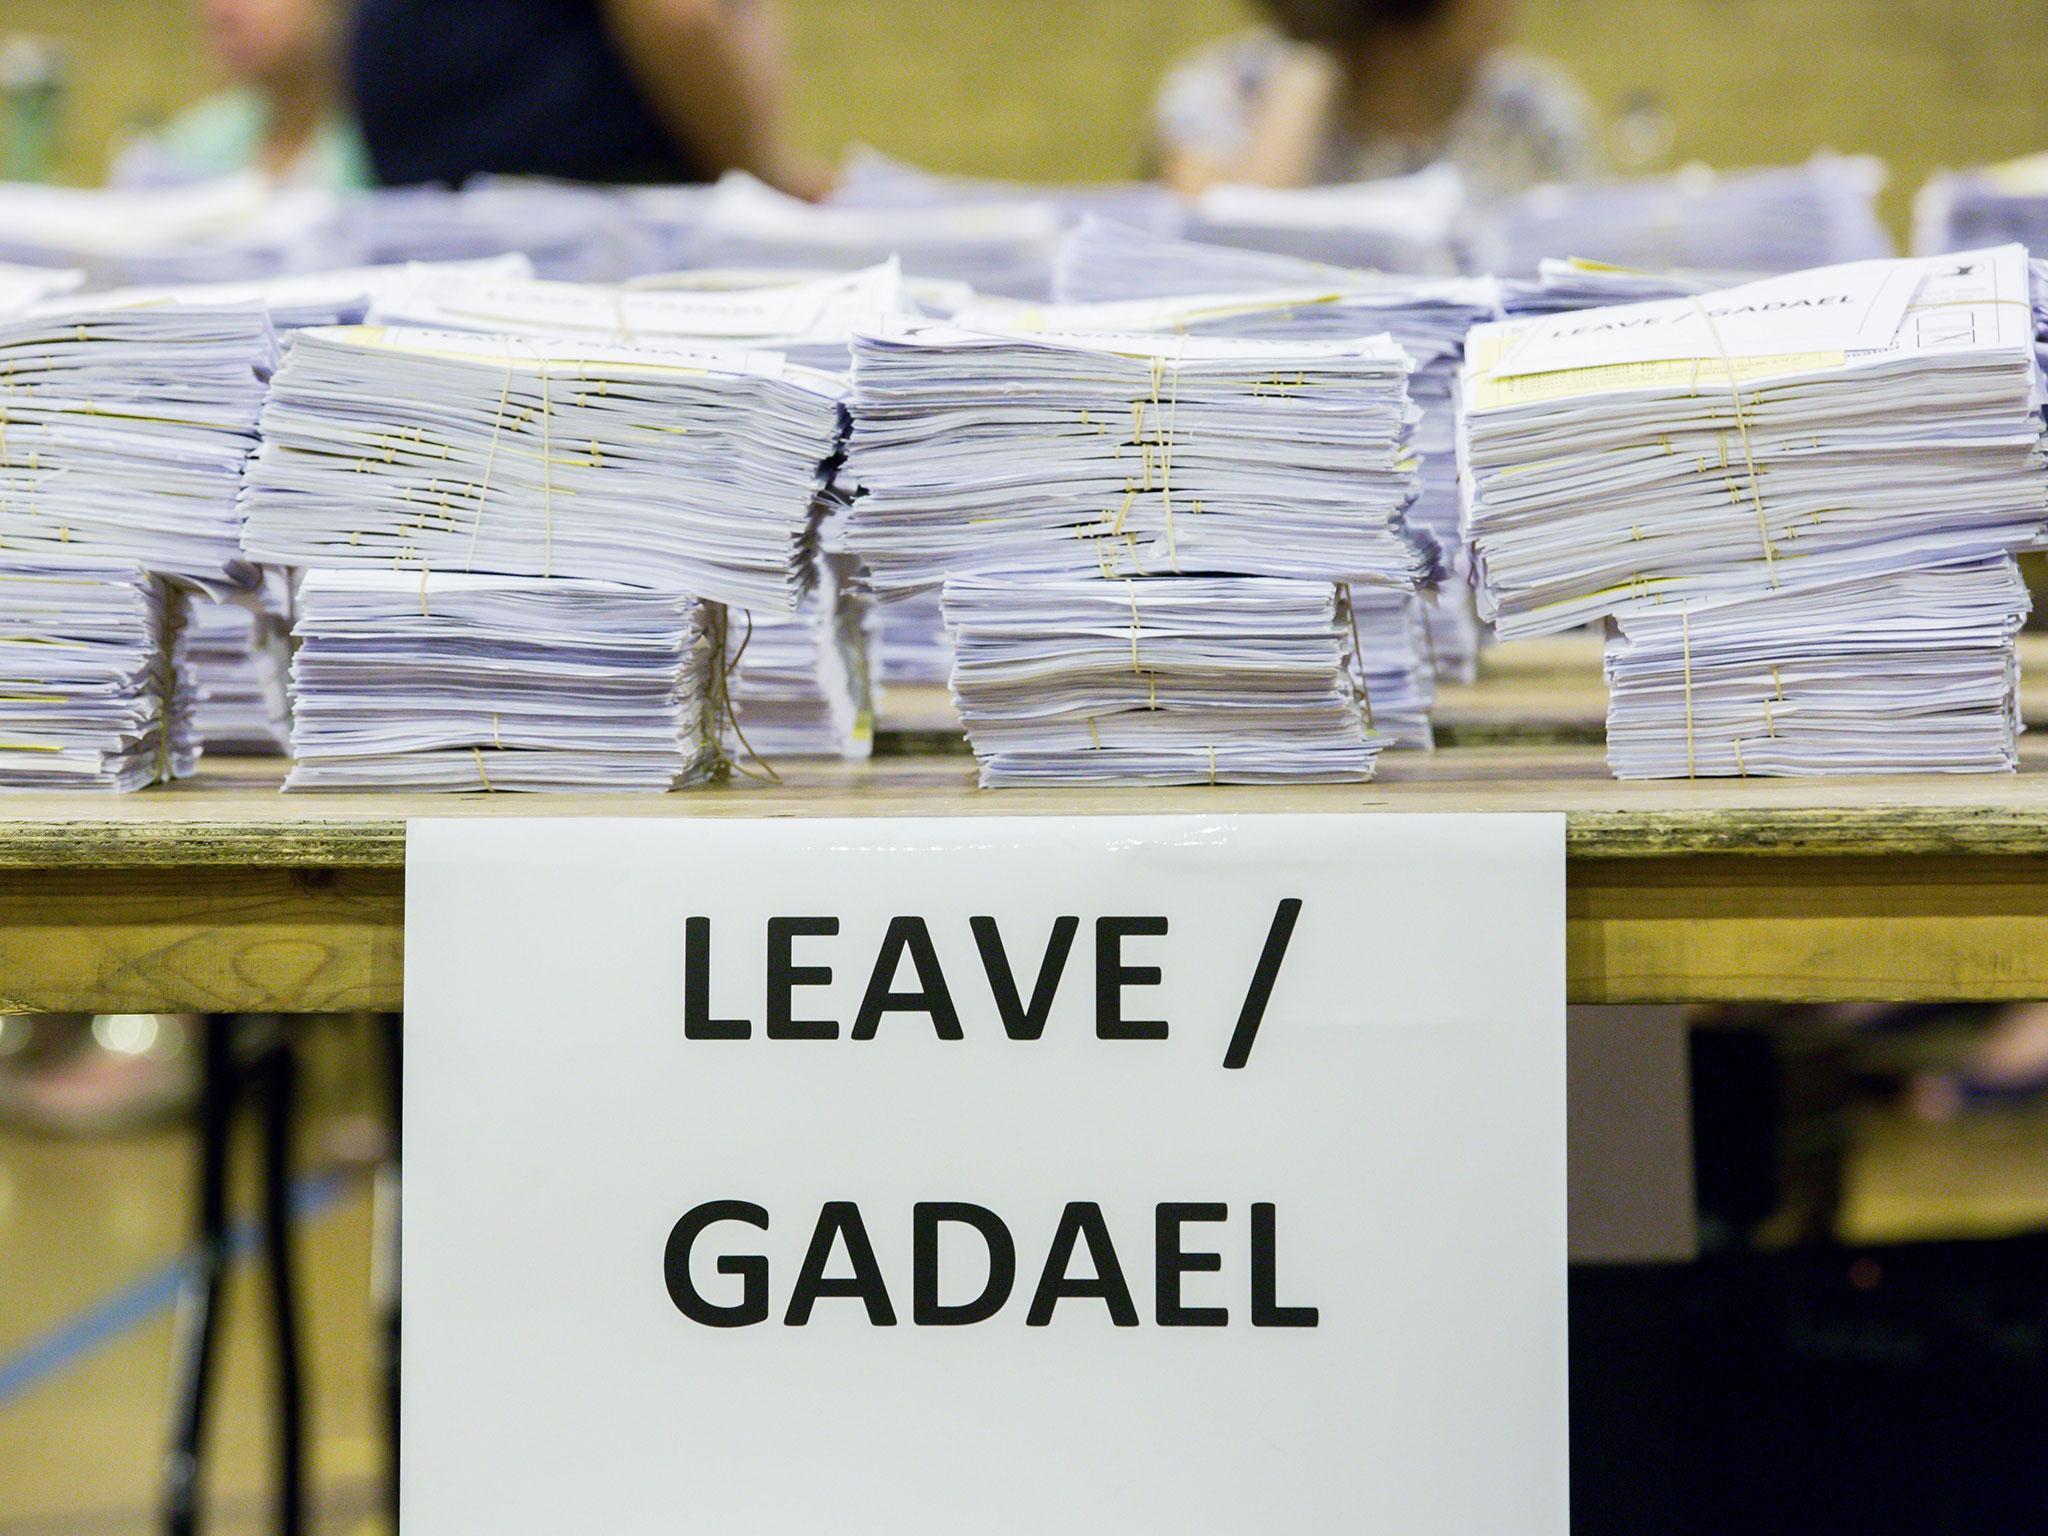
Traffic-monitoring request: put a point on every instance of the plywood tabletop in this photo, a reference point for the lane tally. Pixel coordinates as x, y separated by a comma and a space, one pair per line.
234, 814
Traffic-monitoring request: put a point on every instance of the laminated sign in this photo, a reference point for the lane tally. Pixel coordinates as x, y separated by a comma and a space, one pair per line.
1003, 1174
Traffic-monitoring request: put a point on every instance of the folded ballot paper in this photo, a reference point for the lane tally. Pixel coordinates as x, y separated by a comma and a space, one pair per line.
1774, 219
239, 659
1967, 210
1045, 454
237, 227
22, 287
873, 180
1161, 680
1413, 223
459, 682
798, 682
1822, 427
1909, 671
810, 322
438, 451
999, 247
123, 431
92, 696
908, 642
567, 230
1577, 283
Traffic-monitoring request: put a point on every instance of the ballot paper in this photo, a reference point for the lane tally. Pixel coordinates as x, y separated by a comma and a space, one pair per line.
798, 683
237, 227
1774, 457
1410, 223
934, 298
1101, 260
1163, 680
810, 322
123, 432
501, 683
239, 663
908, 641
438, 451
1901, 672
1776, 219
873, 180
331, 296
1001, 248
1569, 283
92, 697
1991, 205
1022, 454
1391, 658
22, 287
567, 230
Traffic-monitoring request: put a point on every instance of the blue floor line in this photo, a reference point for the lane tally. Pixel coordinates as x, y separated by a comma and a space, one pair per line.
142, 1298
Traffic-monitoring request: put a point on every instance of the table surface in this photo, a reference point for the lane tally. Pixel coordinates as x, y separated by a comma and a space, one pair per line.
221, 893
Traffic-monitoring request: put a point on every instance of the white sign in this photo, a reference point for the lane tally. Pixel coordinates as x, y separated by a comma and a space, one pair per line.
993, 1175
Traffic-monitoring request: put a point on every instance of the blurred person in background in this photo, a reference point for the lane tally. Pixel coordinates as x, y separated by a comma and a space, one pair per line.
1355, 90
281, 112
588, 90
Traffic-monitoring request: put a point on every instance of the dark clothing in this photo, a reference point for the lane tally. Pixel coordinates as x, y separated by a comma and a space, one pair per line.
448, 89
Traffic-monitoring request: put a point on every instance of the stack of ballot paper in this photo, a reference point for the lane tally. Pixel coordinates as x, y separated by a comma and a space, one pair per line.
1046, 454
1429, 317
995, 247
1967, 210
798, 682
1160, 680
1403, 224
123, 431
1899, 672
1568, 283
568, 231
437, 451
1778, 219
22, 287
908, 641
873, 180
811, 322
1774, 453
240, 663
92, 696
1396, 673
1801, 429
235, 228
500, 683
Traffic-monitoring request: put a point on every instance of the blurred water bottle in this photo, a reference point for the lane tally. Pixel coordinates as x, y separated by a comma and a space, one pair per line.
31, 99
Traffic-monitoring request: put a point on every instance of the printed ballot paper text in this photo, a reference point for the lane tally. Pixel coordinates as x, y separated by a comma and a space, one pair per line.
1098, 1174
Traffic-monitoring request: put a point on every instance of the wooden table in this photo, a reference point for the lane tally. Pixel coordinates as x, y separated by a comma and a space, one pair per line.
223, 895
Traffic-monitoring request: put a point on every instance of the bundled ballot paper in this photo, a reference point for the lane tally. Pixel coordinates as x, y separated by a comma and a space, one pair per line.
1101, 260
873, 180
239, 660
1162, 680
810, 322
123, 431
1002, 247
797, 682
1828, 425
1392, 660
1577, 283
908, 642
501, 683
438, 451
1910, 671
1410, 223
92, 696
1042, 454
237, 227
1967, 210
567, 230
1775, 219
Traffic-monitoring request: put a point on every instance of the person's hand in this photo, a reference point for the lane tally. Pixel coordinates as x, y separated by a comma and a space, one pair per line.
1292, 120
